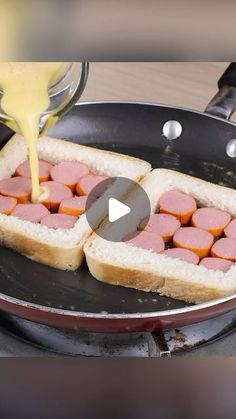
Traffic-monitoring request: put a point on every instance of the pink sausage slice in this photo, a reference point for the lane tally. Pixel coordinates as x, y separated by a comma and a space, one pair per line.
59, 221
73, 206
163, 224
178, 204
146, 240
216, 264
58, 192
69, 173
44, 170
87, 183
16, 187
30, 212
7, 204
195, 239
225, 248
211, 219
230, 230
183, 254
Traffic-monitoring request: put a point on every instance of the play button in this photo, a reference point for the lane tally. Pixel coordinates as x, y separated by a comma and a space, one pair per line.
116, 210
115, 207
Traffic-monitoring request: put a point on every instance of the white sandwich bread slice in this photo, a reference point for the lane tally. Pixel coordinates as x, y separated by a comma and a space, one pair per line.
62, 249
123, 264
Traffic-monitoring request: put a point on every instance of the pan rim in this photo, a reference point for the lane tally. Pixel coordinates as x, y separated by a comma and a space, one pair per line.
137, 315
117, 316
155, 104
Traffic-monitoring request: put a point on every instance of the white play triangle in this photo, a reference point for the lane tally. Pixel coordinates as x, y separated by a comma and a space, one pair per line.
117, 210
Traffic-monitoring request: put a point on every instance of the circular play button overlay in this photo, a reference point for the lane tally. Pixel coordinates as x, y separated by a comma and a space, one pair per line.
115, 207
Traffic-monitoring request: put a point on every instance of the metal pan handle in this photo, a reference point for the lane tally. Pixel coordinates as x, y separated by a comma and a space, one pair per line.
223, 103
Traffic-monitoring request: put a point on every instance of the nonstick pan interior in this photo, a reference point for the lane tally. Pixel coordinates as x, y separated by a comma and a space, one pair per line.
134, 129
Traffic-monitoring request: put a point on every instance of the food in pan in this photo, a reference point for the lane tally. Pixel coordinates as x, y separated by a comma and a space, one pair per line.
178, 204
195, 239
53, 232
192, 261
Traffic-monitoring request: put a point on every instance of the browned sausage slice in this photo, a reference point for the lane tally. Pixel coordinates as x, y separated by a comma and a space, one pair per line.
16, 187
230, 230
30, 212
59, 221
146, 240
211, 219
163, 224
58, 192
216, 264
182, 254
87, 183
7, 204
44, 170
195, 239
69, 173
225, 248
178, 204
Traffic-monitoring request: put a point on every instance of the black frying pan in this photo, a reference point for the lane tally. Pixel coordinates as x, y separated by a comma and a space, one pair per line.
76, 299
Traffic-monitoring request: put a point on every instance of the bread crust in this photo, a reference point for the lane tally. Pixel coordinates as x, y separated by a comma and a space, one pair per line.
150, 281
137, 268
35, 246
120, 275
57, 257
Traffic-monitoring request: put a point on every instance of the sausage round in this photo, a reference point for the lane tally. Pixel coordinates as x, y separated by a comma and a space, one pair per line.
225, 248
73, 206
146, 240
182, 254
163, 224
16, 187
30, 212
195, 239
216, 264
178, 204
69, 173
7, 204
44, 170
57, 193
230, 229
59, 221
211, 219
87, 183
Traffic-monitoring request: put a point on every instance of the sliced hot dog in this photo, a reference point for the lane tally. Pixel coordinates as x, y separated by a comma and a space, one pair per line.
211, 219
59, 221
146, 240
69, 173
216, 264
87, 183
230, 230
195, 239
73, 206
182, 254
44, 170
16, 187
163, 224
225, 248
7, 204
178, 204
58, 192
30, 212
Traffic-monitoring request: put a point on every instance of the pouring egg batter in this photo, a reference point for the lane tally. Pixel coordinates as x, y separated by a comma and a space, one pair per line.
25, 98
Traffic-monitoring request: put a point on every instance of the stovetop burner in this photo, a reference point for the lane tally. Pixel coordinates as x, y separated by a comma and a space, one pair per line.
37, 339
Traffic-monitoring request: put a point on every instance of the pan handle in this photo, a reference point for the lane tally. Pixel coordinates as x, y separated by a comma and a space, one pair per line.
223, 103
